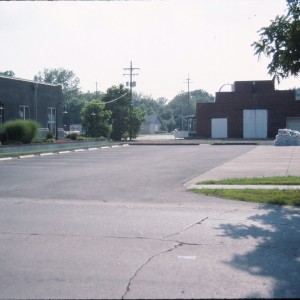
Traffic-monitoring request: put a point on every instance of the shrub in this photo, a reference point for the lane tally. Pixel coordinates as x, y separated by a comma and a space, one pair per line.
49, 135
73, 136
18, 131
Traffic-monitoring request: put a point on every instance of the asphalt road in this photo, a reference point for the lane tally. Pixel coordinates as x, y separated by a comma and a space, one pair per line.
118, 223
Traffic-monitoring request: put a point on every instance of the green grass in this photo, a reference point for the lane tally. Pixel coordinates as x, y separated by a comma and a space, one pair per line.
277, 180
269, 196
274, 196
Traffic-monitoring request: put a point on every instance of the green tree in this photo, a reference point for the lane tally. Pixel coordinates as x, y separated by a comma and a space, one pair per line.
70, 89
74, 108
8, 73
174, 114
146, 104
96, 119
137, 118
68, 80
125, 119
280, 41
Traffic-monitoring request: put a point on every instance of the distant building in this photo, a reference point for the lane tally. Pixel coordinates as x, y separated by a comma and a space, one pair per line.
32, 100
253, 109
151, 125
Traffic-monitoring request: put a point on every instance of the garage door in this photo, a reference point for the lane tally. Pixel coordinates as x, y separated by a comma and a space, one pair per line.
293, 123
255, 123
219, 128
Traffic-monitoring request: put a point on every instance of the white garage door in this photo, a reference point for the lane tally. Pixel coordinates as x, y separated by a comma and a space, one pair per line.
219, 128
255, 123
293, 123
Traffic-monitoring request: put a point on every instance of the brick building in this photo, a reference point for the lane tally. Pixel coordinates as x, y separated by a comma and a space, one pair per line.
32, 100
253, 109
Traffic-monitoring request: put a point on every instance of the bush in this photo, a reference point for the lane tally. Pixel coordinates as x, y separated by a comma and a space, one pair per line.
49, 136
18, 131
73, 136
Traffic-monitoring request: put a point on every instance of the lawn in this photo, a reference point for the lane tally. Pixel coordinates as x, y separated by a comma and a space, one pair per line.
269, 196
277, 180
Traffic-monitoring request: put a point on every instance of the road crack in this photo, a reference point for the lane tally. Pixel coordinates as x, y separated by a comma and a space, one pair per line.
185, 229
145, 263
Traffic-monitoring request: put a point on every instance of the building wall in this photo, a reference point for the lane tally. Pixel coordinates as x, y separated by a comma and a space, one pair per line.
248, 95
36, 95
151, 125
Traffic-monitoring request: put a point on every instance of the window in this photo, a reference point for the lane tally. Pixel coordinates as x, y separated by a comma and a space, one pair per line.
51, 113
24, 112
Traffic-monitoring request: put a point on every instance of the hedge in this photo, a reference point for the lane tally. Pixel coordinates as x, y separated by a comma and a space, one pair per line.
18, 132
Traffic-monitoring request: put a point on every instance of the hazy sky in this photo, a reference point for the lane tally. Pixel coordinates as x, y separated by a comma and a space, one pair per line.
209, 40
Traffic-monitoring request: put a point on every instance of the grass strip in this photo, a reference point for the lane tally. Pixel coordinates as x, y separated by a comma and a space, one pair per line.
274, 196
276, 180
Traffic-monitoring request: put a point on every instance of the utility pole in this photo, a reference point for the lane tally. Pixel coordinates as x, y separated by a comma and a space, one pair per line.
131, 85
188, 83
96, 89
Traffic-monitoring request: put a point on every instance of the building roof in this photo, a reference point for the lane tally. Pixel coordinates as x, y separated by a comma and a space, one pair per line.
27, 80
153, 119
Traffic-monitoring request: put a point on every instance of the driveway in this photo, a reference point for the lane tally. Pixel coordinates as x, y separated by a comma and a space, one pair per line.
118, 223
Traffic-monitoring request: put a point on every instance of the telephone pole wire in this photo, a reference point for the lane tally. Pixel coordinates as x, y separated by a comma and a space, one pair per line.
131, 85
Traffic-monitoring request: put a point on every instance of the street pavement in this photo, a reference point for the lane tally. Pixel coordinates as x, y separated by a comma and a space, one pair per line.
120, 223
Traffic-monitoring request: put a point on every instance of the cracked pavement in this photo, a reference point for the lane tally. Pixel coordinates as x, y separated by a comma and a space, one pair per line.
77, 226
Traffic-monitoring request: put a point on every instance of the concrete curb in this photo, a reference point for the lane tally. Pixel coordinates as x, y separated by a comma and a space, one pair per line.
237, 187
62, 152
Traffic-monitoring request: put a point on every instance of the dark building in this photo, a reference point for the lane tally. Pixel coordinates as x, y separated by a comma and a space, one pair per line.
253, 109
32, 100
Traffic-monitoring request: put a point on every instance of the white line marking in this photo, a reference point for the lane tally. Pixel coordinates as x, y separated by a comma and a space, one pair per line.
186, 257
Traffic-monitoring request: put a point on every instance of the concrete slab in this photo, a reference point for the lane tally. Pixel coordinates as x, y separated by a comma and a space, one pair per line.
262, 161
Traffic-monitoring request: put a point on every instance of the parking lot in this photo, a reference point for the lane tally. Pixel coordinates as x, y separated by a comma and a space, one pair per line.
119, 223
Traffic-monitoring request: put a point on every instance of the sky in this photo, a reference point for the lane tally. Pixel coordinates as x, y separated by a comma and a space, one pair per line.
208, 42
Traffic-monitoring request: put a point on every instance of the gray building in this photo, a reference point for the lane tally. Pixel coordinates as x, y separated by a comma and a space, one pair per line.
151, 125
32, 100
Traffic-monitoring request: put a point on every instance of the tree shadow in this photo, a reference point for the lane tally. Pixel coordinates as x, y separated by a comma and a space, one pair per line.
277, 253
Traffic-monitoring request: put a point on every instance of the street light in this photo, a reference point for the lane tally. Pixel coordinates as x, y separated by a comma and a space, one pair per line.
56, 119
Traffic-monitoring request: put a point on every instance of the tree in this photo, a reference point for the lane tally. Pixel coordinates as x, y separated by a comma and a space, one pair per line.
68, 80
175, 112
70, 90
96, 119
124, 119
146, 104
8, 73
280, 41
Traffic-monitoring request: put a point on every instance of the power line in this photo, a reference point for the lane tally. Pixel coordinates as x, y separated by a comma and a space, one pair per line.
116, 98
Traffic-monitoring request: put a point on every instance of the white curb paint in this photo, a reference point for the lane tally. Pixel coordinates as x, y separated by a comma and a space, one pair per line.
6, 158
45, 154
26, 156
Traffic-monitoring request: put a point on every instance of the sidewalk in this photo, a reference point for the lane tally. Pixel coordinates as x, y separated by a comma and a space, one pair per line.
263, 161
